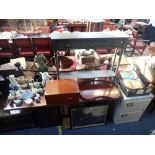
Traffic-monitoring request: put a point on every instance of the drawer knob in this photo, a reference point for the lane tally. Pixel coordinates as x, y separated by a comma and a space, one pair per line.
70, 98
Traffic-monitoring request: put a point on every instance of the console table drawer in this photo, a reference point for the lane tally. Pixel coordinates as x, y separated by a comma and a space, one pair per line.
89, 43
62, 99
63, 45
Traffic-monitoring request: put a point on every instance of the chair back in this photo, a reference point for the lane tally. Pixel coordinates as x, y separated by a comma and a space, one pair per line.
23, 46
137, 44
6, 48
42, 45
4, 43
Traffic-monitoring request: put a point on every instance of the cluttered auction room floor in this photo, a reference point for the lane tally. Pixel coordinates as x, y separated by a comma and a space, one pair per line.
144, 126
69, 89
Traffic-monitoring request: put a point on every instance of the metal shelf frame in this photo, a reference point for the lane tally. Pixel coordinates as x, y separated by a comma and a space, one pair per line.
90, 40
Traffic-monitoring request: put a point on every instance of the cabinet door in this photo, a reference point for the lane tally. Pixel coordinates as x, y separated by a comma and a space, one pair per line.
127, 117
47, 116
139, 105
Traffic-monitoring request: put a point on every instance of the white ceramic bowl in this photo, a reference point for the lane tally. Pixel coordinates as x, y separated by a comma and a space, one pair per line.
28, 101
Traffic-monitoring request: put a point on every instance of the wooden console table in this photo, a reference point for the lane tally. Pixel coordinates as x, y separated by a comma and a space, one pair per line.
90, 40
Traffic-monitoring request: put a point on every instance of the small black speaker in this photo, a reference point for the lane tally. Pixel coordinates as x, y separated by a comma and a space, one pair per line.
88, 116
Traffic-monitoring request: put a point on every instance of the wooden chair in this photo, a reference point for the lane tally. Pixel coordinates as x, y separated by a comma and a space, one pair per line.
6, 49
23, 47
136, 44
43, 46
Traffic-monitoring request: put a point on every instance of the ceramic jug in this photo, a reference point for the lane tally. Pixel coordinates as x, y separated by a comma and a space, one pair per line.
45, 77
13, 80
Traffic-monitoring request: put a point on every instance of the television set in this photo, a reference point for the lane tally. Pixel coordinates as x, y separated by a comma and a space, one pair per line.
88, 116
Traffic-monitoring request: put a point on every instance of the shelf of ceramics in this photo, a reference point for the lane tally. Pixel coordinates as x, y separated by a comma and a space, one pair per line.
25, 106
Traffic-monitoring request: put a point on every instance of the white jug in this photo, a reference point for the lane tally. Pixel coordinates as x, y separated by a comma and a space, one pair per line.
45, 77
13, 80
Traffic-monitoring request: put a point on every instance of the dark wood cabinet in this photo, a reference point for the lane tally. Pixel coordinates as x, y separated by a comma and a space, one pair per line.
47, 116
29, 118
17, 121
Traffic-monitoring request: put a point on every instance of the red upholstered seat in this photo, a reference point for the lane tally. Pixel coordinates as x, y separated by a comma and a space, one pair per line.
26, 54
7, 54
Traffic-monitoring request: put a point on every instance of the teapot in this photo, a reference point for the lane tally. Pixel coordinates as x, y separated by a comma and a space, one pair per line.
45, 77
